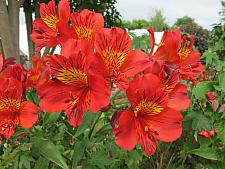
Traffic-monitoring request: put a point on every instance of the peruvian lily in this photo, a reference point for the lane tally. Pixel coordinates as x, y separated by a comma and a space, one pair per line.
39, 74
207, 134
150, 118
177, 54
75, 87
115, 60
51, 29
13, 110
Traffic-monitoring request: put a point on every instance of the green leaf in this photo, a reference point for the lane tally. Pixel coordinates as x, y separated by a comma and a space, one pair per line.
207, 153
42, 163
201, 122
50, 151
50, 118
78, 152
222, 134
202, 88
86, 122
100, 159
25, 160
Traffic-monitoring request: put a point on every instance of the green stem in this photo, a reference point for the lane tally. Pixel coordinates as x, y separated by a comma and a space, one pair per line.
94, 124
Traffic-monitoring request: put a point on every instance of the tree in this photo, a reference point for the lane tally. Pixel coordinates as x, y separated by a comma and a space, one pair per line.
157, 21
9, 27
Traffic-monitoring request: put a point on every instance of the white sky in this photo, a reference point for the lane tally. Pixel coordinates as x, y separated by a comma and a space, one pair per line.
205, 12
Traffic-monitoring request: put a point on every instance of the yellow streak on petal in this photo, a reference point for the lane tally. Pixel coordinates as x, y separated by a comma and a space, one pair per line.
51, 21
72, 76
84, 33
113, 59
148, 107
8, 104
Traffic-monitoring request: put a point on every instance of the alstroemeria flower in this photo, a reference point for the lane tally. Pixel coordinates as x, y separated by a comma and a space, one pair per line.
39, 74
189, 65
75, 87
150, 117
177, 54
115, 60
51, 29
13, 110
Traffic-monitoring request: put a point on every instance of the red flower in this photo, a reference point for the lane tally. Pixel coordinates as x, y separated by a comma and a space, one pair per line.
189, 65
39, 74
51, 28
150, 119
13, 110
115, 60
1, 61
207, 134
210, 96
75, 87
183, 59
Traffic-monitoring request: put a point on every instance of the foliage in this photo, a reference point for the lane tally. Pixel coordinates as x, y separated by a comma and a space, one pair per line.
188, 26
157, 21
136, 24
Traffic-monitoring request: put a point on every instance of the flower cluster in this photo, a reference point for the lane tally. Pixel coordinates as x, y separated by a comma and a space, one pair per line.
92, 60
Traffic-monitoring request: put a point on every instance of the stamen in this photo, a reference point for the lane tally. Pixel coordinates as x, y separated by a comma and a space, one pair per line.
184, 52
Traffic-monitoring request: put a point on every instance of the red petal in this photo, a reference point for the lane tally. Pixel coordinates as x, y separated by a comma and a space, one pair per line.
135, 62
152, 40
125, 134
142, 86
64, 10
54, 96
28, 114
1, 61
178, 98
167, 124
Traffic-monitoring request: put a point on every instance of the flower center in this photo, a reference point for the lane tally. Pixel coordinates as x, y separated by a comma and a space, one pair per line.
84, 33
113, 59
8, 104
184, 52
148, 107
51, 21
72, 76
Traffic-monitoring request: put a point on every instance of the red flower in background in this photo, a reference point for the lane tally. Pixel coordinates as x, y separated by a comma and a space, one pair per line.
51, 29
189, 65
5, 62
178, 55
13, 110
39, 74
207, 134
114, 59
75, 88
150, 119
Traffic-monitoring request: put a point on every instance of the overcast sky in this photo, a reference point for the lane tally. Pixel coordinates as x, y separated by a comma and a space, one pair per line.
205, 12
